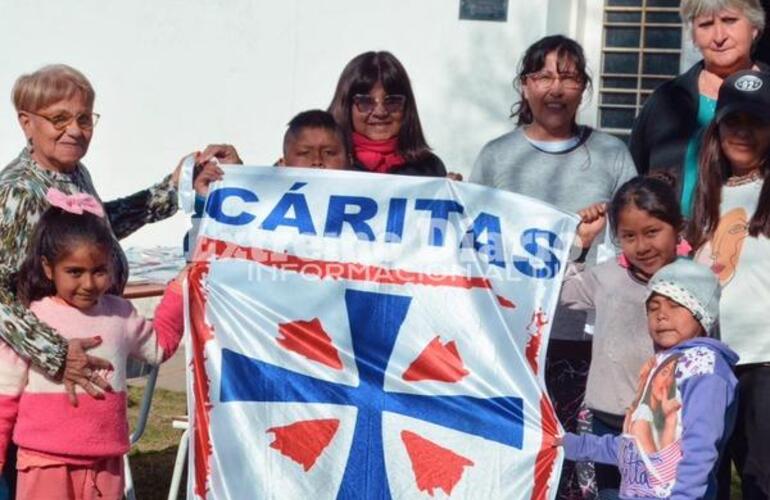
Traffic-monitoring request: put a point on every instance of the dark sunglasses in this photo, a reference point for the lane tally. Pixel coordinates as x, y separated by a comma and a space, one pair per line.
391, 103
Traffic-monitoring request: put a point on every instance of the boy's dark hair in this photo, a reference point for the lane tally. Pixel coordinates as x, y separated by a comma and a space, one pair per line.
653, 194
55, 236
567, 50
359, 77
713, 171
314, 118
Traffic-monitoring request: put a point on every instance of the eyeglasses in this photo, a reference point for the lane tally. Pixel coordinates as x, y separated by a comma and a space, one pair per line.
60, 121
545, 80
391, 103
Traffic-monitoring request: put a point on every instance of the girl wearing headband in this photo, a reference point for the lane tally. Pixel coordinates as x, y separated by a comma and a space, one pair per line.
64, 451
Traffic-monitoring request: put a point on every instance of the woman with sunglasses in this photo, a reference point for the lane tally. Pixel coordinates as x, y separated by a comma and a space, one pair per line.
375, 106
55, 110
549, 156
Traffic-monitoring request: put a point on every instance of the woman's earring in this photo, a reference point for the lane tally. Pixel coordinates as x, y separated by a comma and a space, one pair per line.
30, 146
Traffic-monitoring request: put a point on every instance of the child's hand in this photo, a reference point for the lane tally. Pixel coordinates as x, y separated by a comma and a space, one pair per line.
553, 441
592, 221
224, 153
205, 175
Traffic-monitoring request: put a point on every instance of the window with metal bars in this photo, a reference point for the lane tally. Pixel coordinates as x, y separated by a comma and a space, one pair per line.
641, 48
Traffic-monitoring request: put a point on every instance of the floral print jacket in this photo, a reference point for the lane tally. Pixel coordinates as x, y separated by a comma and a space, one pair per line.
23, 186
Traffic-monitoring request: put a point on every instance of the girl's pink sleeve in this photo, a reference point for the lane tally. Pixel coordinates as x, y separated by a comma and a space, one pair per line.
169, 319
13, 379
156, 341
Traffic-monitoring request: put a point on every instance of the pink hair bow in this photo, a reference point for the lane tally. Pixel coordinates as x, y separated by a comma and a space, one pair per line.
74, 203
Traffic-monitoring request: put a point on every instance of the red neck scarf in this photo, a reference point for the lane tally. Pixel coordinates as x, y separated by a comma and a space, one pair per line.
377, 156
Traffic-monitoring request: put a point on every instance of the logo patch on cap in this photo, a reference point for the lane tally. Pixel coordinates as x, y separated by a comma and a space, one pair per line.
748, 83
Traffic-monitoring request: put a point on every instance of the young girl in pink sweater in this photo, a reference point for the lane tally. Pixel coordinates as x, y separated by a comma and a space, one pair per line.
68, 452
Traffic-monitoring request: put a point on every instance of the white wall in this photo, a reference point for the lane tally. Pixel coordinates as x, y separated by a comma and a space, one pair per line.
174, 75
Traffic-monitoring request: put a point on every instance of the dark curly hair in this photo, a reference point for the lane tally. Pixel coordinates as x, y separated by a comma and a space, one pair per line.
533, 61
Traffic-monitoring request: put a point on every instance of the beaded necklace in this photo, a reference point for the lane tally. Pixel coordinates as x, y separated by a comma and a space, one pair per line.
739, 180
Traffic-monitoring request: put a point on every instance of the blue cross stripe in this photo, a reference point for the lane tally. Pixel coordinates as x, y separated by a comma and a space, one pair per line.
375, 320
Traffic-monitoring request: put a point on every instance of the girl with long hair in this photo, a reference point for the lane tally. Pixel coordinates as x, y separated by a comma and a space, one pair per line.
731, 230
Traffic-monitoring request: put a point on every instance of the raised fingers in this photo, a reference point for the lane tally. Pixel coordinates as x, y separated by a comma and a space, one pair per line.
222, 152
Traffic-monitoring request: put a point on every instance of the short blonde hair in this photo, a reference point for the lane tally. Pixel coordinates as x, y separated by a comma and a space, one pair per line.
48, 85
752, 9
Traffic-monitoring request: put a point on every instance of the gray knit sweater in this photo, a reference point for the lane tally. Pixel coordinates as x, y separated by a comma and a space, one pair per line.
621, 342
591, 172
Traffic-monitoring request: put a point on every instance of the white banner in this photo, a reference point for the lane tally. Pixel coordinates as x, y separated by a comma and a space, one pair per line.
370, 336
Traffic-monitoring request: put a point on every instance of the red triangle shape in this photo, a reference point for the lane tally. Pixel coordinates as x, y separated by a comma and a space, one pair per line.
304, 441
437, 362
309, 339
535, 329
434, 466
505, 302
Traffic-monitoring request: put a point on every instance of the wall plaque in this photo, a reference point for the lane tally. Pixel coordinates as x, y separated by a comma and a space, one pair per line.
484, 10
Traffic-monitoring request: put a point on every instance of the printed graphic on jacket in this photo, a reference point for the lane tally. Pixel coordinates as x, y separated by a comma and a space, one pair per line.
650, 455
652, 448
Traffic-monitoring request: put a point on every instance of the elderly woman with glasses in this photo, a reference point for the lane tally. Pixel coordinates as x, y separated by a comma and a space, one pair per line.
549, 156
668, 130
55, 110
375, 106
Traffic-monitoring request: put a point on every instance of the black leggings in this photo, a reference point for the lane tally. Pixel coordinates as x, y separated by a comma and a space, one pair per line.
749, 446
9, 471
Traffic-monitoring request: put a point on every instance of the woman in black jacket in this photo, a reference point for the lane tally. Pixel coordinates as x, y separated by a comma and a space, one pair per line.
667, 132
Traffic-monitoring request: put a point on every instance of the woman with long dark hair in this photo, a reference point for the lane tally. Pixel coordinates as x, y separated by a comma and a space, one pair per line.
375, 105
730, 229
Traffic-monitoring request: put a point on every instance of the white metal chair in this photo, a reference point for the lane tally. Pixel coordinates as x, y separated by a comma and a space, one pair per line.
136, 369
181, 456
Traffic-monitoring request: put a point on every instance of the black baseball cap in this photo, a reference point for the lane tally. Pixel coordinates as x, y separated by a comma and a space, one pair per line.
747, 91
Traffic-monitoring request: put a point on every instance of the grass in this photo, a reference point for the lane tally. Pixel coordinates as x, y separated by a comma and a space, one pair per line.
735, 486
152, 458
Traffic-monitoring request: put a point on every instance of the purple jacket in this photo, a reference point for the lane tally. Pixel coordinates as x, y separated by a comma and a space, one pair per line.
706, 385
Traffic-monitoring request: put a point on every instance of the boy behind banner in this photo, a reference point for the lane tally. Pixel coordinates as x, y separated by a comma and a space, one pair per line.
312, 140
